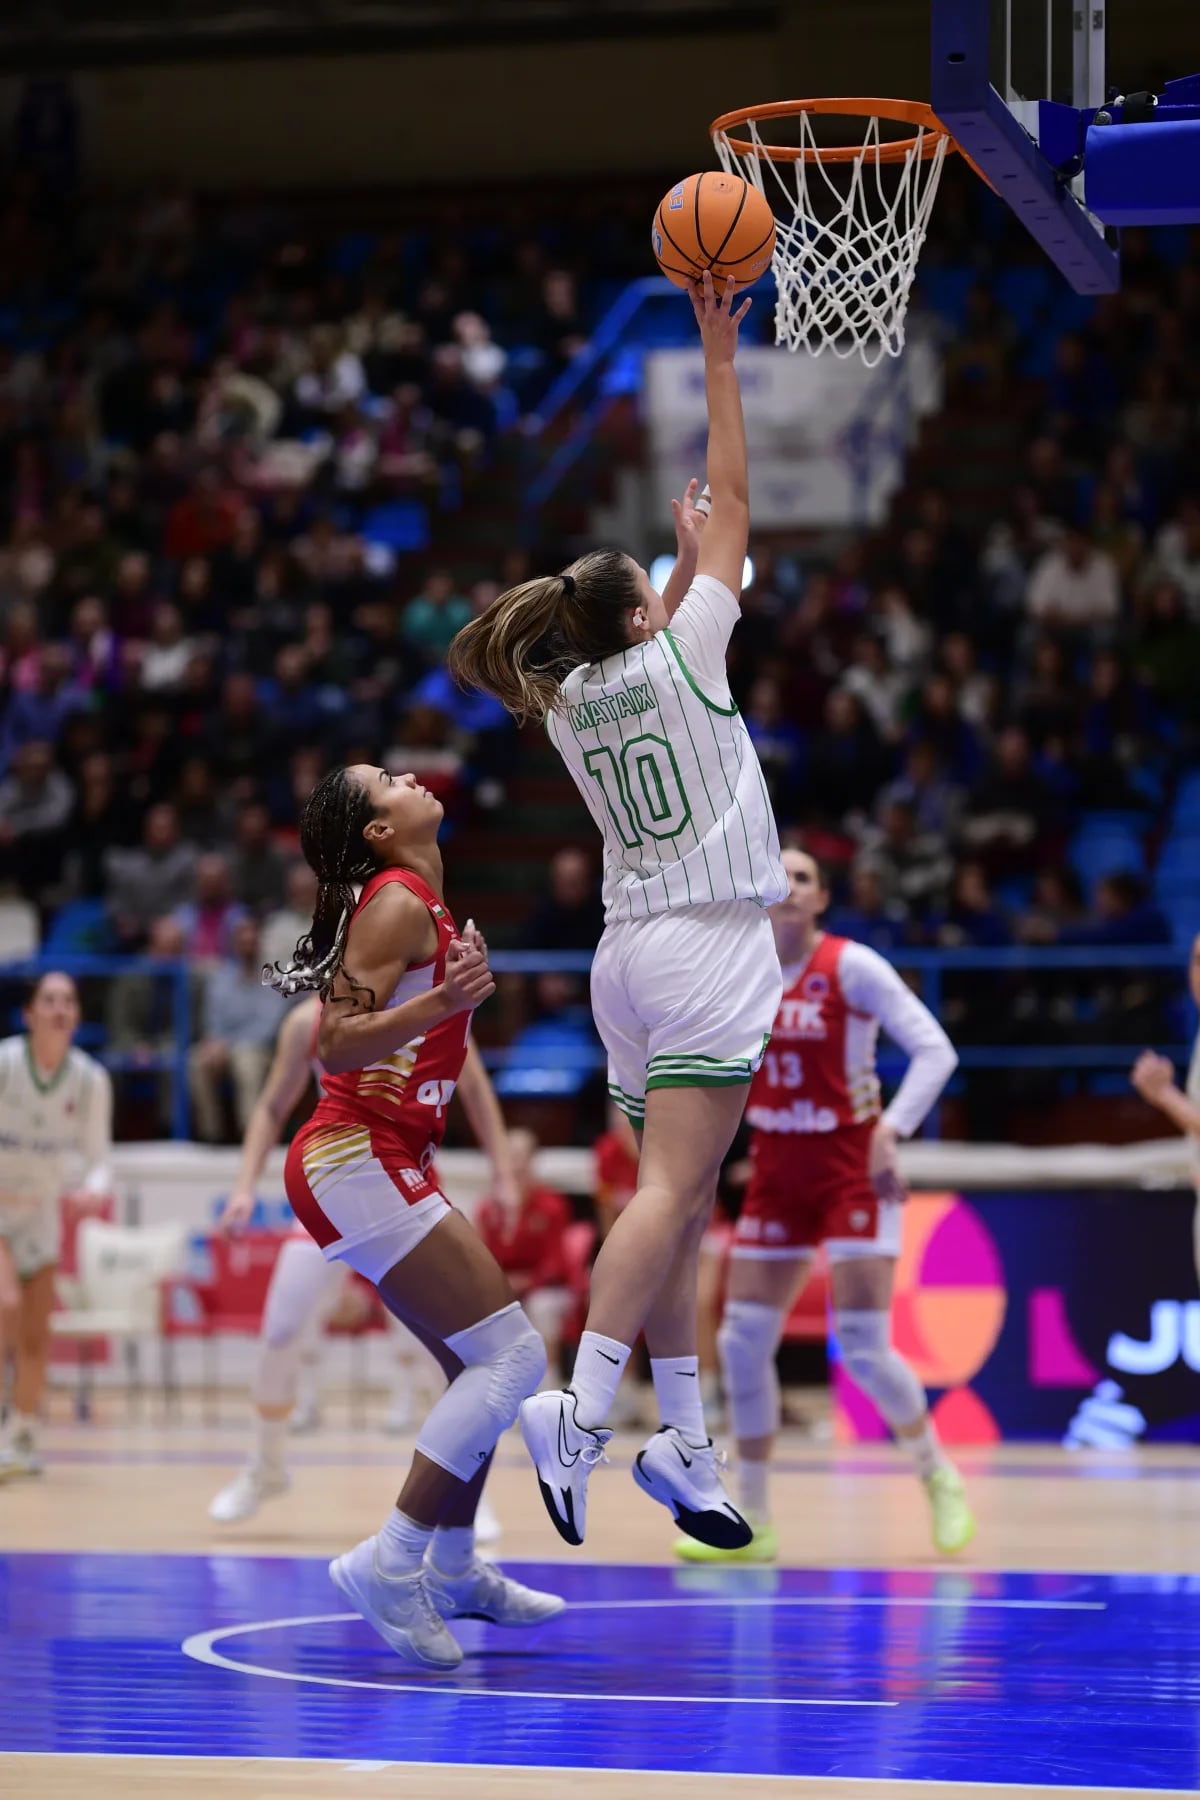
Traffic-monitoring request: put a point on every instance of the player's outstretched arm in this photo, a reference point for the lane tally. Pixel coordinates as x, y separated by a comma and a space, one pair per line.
723, 550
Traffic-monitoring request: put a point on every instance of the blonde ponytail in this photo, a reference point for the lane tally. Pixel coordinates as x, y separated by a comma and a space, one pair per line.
529, 638
499, 651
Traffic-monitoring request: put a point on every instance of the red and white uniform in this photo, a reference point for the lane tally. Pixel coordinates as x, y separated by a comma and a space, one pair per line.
360, 1174
815, 1102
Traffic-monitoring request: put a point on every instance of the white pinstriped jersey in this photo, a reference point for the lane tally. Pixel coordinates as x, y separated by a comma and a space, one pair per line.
665, 765
52, 1133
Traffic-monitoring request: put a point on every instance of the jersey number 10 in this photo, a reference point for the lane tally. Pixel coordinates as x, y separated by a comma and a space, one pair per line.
642, 789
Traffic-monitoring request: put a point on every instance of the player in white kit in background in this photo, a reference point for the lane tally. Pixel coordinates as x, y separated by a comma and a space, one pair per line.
55, 1135
825, 1171
303, 1285
685, 983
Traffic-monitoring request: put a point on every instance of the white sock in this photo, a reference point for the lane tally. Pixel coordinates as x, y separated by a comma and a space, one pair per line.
677, 1390
24, 1425
453, 1549
596, 1377
752, 1488
925, 1448
272, 1443
402, 1543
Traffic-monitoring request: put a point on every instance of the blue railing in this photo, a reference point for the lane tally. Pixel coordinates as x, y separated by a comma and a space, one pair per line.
933, 966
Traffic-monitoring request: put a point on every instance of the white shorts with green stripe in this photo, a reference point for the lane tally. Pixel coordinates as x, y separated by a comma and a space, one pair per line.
685, 998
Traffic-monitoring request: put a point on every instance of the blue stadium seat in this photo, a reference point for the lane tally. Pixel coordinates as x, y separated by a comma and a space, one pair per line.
81, 928
1106, 850
398, 525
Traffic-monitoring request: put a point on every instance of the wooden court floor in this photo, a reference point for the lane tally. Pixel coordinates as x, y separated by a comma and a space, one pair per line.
142, 1487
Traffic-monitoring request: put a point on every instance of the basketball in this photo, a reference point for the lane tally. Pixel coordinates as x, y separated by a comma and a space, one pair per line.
713, 221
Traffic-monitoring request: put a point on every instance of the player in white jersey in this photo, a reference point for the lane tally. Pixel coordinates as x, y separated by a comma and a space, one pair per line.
304, 1287
824, 1170
1154, 1078
55, 1134
685, 983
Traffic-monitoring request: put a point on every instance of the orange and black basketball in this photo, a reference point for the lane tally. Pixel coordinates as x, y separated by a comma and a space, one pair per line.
713, 221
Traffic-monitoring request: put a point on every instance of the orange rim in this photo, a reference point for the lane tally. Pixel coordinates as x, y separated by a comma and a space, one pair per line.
902, 112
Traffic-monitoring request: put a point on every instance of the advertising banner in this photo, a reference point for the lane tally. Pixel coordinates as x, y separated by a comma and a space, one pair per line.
1071, 1316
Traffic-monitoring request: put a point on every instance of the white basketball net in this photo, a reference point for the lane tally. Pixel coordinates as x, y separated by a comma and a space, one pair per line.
848, 236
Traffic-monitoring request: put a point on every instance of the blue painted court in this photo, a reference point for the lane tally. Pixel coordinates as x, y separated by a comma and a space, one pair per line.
1072, 1680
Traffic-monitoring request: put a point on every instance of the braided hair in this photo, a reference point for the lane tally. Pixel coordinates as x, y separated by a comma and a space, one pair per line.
331, 836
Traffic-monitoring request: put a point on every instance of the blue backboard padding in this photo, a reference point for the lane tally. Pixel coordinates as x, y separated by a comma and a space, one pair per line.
1144, 174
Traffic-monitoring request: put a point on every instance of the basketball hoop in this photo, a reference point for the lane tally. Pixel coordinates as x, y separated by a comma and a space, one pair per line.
852, 221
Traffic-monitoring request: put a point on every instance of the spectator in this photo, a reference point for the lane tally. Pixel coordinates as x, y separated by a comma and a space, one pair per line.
972, 920
1074, 586
285, 925
846, 762
208, 920
240, 1020
257, 864
40, 712
204, 819
914, 868
526, 1238
1122, 913
152, 879
432, 619
867, 915
35, 804
140, 1008
99, 820
936, 803
775, 738
1010, 806
165, 658
876, 685
571, 916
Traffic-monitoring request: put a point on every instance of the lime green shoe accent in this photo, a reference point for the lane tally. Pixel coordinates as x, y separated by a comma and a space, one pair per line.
762, 1548
952, 1519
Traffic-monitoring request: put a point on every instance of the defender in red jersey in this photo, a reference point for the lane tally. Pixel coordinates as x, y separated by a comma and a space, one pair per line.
304, 1287
399, 985
824, 1170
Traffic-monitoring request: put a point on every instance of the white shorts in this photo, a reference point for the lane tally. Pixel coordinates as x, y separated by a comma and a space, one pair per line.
32, 1234
685, 999
360, 1196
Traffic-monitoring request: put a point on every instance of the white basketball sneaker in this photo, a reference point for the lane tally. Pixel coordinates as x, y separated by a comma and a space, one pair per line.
400, 1607
683, 1476
484, 1593
246, 1493
564, 1455
19, 1455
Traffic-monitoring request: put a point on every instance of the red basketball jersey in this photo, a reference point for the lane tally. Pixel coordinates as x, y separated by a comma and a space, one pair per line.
819, 1073
407, 1093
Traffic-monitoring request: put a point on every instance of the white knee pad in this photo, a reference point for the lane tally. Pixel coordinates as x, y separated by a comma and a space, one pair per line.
865, 1341
747, 1341
504, 1360
302, 1284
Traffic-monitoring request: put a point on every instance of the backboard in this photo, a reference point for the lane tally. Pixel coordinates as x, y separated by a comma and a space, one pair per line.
1014, 82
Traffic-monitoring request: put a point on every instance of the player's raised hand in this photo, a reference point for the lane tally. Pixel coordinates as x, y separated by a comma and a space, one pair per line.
689, 518
473, 938
1152, 1075
468, 981
717, 317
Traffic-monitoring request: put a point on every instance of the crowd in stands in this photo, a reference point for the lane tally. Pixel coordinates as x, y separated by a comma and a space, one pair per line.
226, 440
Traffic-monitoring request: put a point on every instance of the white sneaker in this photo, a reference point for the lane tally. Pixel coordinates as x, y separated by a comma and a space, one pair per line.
400, 1607
306, 1416
564, 1455
19, 1455
246, 1493
683, 1476
484, 1593
488, 1529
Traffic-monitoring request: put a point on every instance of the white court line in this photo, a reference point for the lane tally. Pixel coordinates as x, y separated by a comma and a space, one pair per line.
201, 1647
